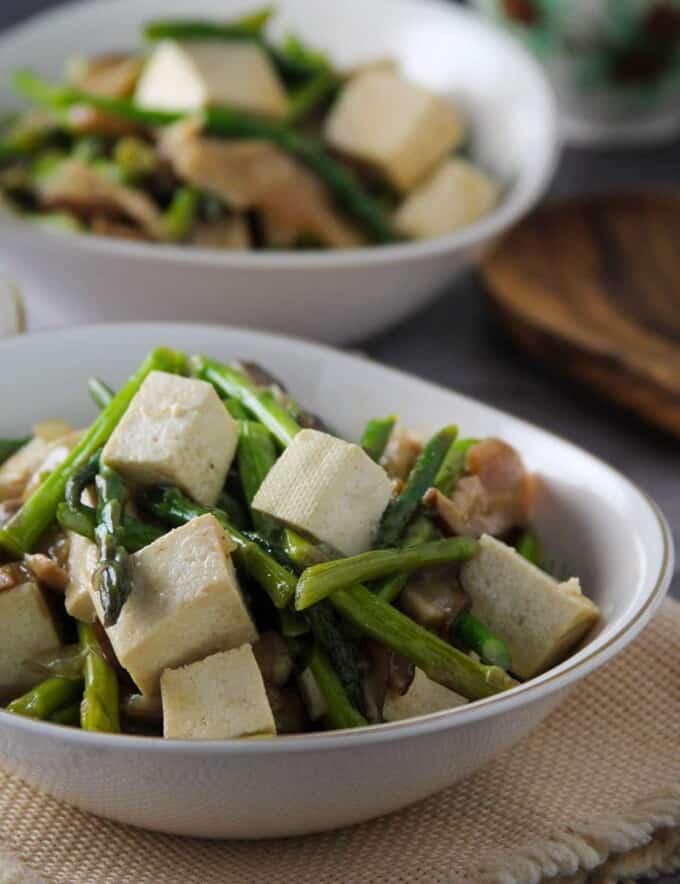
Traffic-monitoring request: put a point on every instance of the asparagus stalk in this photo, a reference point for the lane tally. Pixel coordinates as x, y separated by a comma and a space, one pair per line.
171, 506
69, 715
111, 579
423, 475
80, 479
8, 447
422, 529
316, 92
23, 530
376, 435
528, 547
180, 216
227, 123
475, 636
256, 455
339, 711
133, 534
330, 634
236, 410
320, 581
44, 699
231, 382
439, 660
100, 709
100, 393
236, 512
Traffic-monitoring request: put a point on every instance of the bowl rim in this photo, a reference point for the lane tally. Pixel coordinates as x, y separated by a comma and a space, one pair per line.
555, 679
524, 192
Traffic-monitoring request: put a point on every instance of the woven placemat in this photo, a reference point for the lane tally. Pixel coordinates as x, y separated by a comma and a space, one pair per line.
592, 795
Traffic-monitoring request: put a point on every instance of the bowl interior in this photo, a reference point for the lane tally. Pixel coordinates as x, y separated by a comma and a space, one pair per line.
499, 87
596, 523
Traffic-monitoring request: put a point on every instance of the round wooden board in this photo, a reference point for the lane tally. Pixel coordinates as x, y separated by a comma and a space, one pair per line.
592, 287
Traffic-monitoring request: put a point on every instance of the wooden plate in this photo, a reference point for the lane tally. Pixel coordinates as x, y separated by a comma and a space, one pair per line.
593, 288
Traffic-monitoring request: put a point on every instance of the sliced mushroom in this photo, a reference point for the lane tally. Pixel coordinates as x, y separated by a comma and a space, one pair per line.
253, 174
86, 192
287, 708
47, 571
55, 454
271, 653
225, 233
401, 454
492, 498
83, 119
8, 508
433, 598
386, 670
104, 225
112, 75
13, 575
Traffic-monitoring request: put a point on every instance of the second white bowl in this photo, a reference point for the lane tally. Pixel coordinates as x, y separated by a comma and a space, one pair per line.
331, 296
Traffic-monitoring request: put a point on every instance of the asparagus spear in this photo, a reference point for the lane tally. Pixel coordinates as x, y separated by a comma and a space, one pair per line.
478, 638
339, 711
69, 715
111, 579
231, 382
330, 634
99, 710
256, 455
22, 531
316, 92
80, 479
422, 529
376, 435
170, 505
227, 123
320, 581
48, 696
423, 475
439, 660
100, 393
180, 216
134, 535
8, 447
528, 547
236, 410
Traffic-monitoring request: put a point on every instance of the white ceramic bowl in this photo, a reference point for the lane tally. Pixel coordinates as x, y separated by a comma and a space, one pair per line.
590, 517
329, 296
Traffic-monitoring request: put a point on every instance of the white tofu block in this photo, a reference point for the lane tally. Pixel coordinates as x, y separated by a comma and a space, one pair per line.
177, 431
537, 617
185, 604
455, 196
82, 561
327, 488
400, 128
193, 75
220, 698
27, 628
422, 697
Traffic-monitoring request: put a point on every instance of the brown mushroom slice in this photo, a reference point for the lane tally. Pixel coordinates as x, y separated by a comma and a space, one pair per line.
492, 499
401, 454
47, 572
253, 174
112, 75
85, 191
84, 119
273, 658
226, 233
433, 598
104, 225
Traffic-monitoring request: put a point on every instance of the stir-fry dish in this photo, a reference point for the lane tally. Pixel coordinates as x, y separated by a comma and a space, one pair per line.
215, 136
208, 561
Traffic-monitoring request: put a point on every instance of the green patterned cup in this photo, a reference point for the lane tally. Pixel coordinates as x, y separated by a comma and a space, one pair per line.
615, 64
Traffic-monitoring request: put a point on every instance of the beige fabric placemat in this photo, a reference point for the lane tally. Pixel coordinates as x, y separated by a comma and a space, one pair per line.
592, 795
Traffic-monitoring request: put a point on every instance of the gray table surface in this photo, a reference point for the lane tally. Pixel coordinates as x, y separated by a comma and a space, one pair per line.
457, 341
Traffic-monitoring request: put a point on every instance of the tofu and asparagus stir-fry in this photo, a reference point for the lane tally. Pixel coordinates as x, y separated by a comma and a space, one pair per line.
215, 136
208, 561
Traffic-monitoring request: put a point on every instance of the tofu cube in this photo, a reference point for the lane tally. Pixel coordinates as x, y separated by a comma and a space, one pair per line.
28, 629
220, 698
327, 488
82, 561
193, 75
177, 431
400, 128
422, 697
455, 196
537, 617
185, 604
